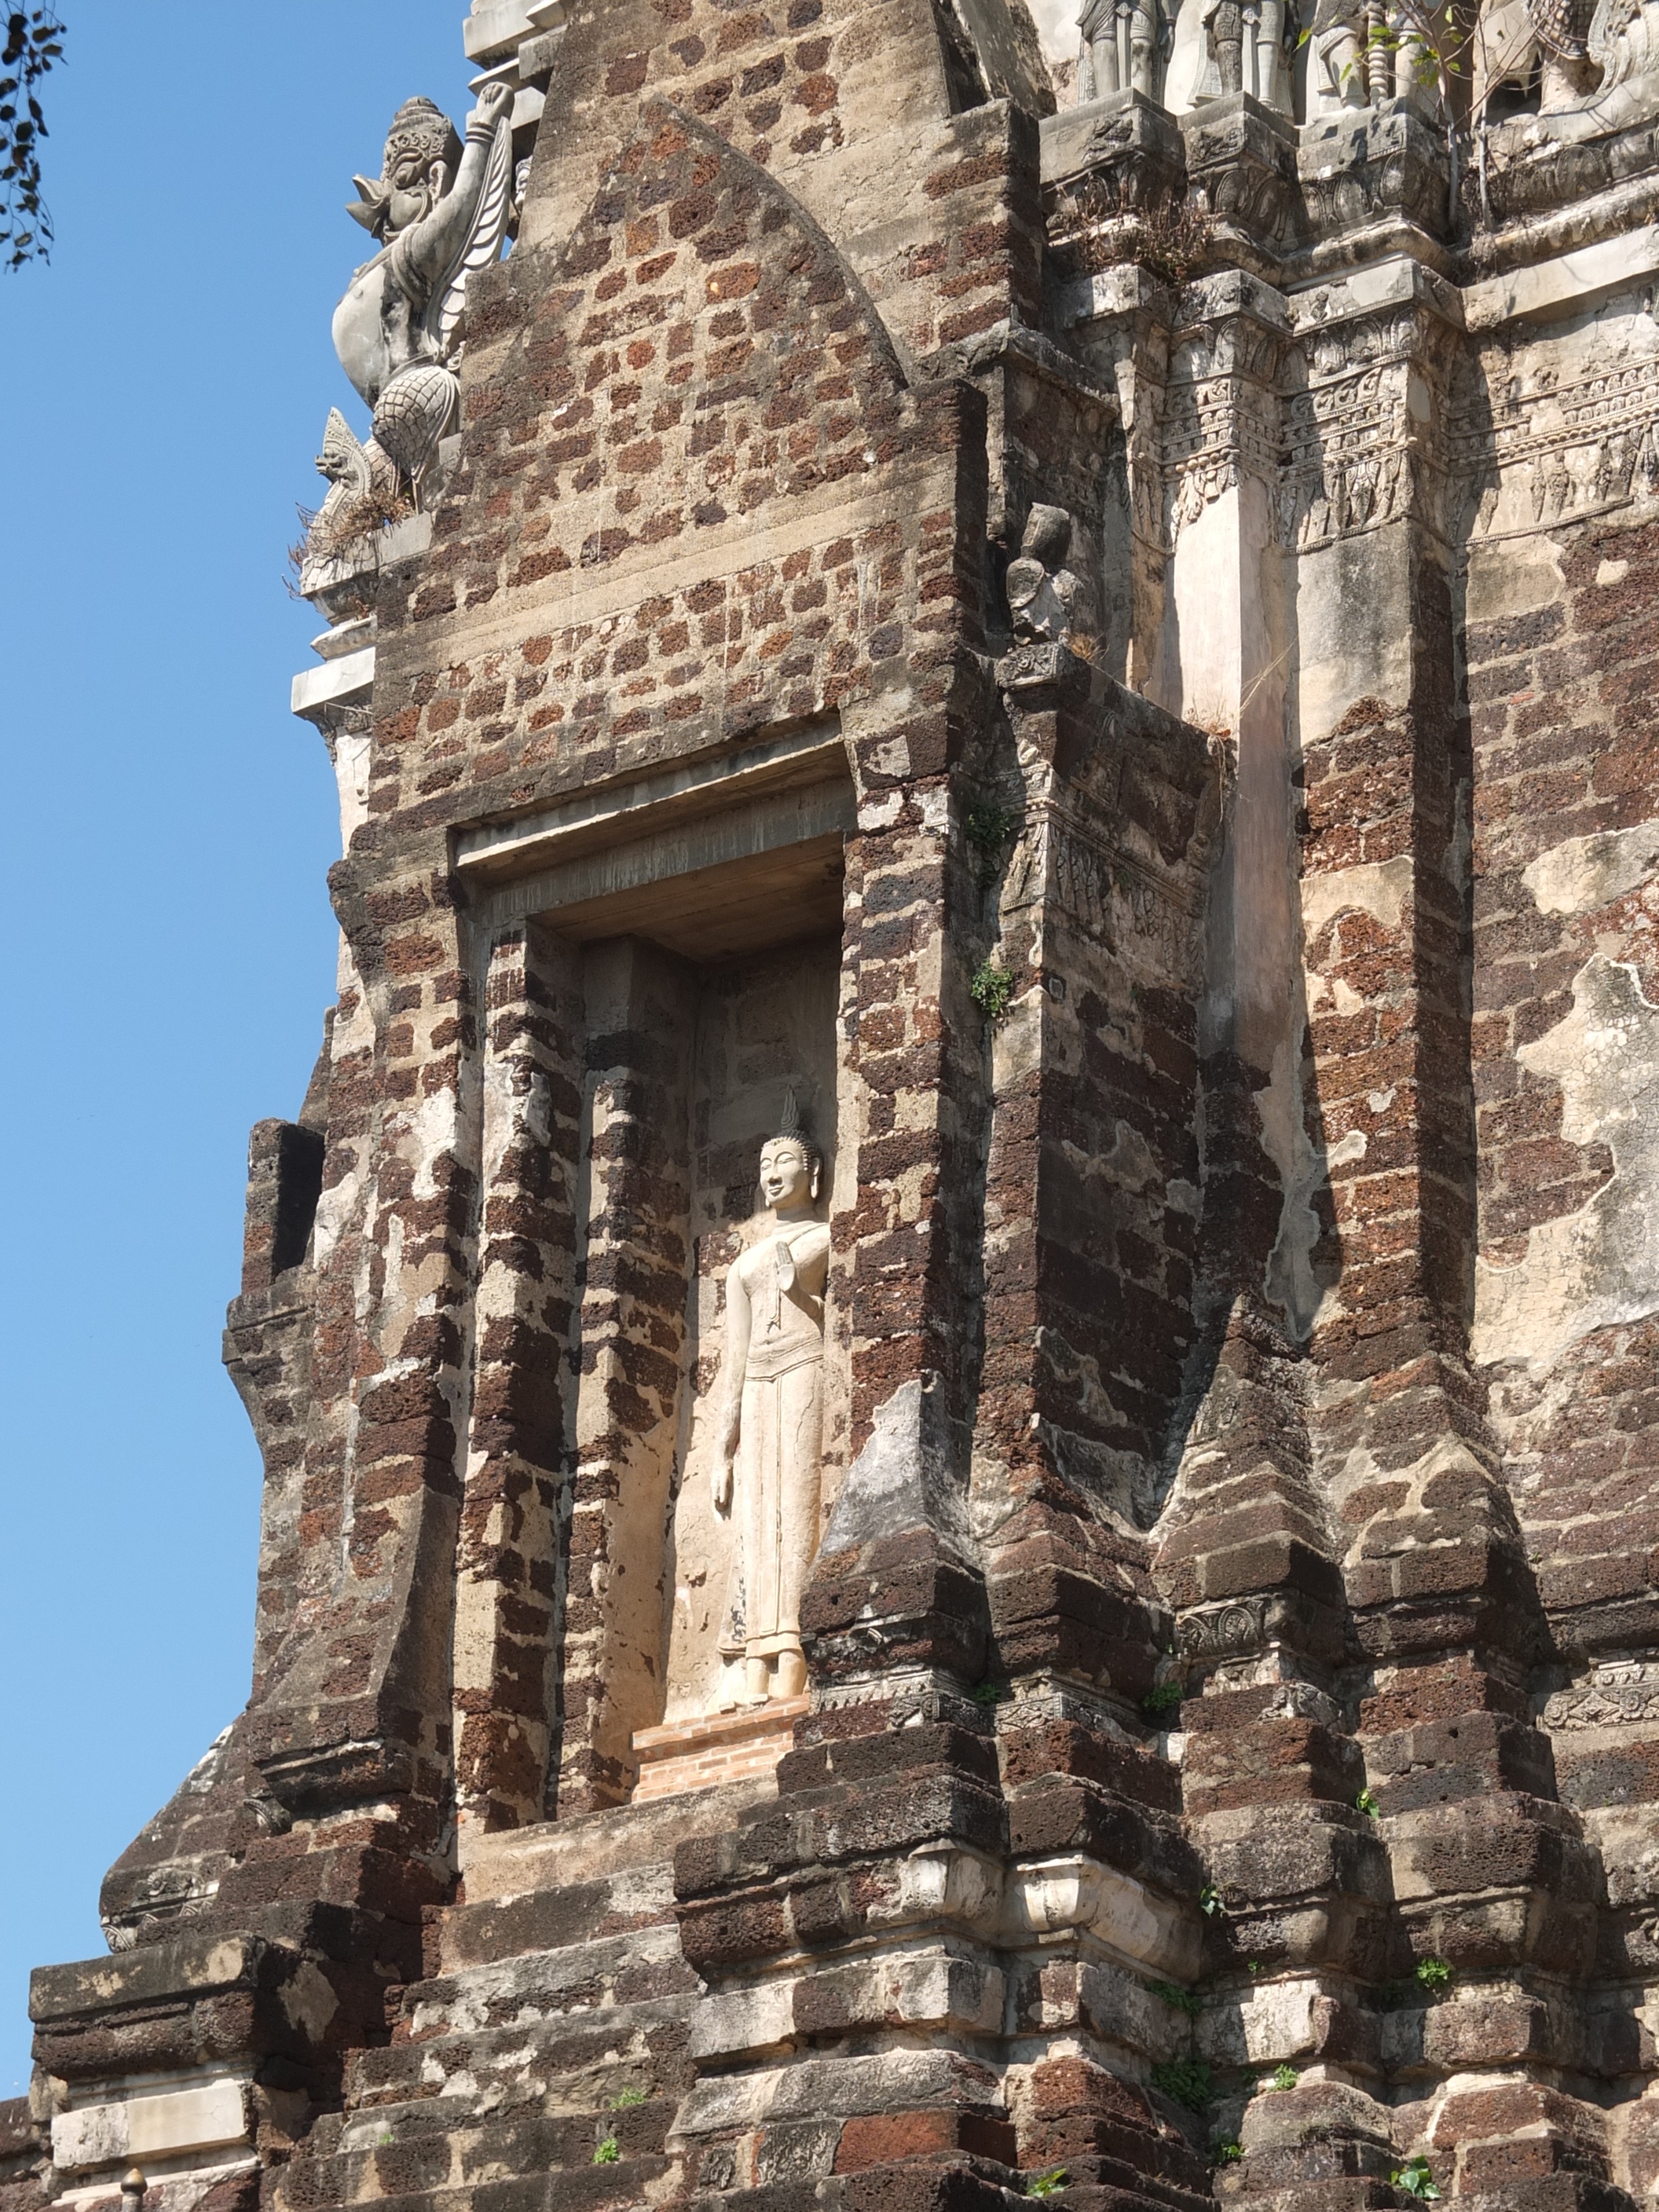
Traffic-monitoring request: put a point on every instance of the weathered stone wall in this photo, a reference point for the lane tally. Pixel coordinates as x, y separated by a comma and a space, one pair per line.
1220, 972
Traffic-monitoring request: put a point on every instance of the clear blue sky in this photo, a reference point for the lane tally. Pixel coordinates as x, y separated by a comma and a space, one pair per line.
165, 383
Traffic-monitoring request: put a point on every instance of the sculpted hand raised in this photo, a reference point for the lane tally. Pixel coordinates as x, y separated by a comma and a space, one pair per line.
494, 102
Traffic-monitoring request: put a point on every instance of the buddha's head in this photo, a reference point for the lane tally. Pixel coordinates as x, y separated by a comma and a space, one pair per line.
791, 1165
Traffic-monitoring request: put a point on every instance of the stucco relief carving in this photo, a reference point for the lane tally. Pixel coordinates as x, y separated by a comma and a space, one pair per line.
1223, 1632
1350, 429
1220, 419
766, 1471
1547, 440
1616, 1694
1045, 597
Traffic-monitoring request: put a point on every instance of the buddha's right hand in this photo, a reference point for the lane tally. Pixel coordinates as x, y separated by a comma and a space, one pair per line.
720, 1476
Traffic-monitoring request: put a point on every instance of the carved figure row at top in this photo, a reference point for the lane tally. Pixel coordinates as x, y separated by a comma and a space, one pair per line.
1584, 65
441, 211
1129, 45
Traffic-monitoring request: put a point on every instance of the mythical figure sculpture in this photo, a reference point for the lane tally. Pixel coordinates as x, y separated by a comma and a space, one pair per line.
1043, 592
1535, 54
440, 210
363, 493
1248, 31
1339, 69
1367, 51
1120, 50
767, 1471
1598, 67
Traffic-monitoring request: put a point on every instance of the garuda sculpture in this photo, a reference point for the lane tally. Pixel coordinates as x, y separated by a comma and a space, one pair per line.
440, 210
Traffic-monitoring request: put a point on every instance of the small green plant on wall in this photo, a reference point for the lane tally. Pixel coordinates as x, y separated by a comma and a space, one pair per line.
989, 827
1414, 2180
993, 986
1185, 2081
1187, 2001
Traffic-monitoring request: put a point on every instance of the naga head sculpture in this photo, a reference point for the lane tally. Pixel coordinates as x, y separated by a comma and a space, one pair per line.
423, 153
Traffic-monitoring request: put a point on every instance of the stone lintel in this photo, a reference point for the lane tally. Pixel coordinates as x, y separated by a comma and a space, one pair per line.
710, 888
346, 682
181, 1971
606, 814
1077, 140
1570, 279
1400, 281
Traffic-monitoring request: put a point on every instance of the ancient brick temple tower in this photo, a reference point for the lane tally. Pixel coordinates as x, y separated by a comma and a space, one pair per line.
955, 1354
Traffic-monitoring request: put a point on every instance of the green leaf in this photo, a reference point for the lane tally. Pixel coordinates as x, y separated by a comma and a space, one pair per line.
1187, 2001
992, 989
989, 827
1415, 2179
1185, 2081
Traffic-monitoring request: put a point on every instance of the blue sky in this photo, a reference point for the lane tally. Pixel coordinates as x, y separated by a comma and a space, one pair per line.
165, 383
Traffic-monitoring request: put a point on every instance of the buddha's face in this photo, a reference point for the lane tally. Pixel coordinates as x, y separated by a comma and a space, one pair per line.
785, 1174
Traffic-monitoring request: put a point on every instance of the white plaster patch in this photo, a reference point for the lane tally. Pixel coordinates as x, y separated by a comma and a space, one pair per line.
1599, 1266
351, 763
1289, 1277
1377, 888
1587, 872
308, 1999
893, 758
437, 1133
1612, 572
334, 1210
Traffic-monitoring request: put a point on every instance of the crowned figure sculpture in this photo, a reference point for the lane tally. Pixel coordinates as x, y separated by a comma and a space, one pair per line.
439, 211
1121, 48
767, 1466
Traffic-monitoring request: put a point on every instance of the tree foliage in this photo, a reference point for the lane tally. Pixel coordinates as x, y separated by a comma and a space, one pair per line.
35, 40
